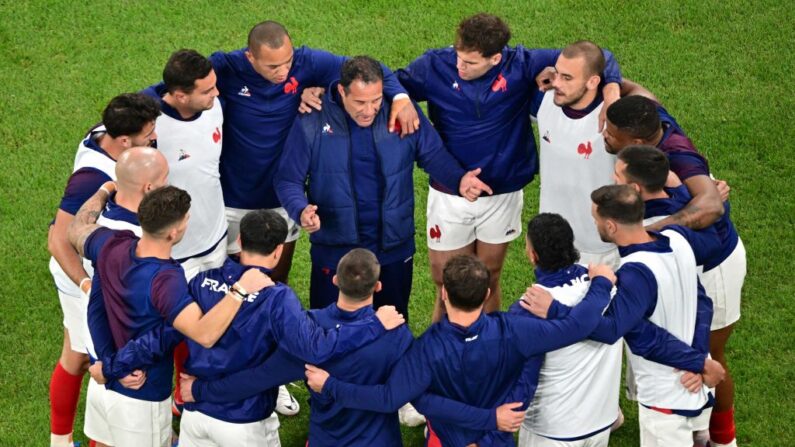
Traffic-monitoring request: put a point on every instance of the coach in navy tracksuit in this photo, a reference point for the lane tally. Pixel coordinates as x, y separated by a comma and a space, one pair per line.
360, 190
330, 424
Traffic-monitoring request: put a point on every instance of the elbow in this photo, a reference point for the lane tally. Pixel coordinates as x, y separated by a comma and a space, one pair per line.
206, 340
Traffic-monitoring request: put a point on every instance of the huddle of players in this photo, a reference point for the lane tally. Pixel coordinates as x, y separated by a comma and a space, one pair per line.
471, 373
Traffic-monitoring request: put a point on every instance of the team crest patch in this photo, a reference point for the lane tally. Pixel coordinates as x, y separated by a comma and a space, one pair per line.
244, 92
435, 233
183, 155
585, 150
327, 130
500, 84
291, 87
217, 135
455, 86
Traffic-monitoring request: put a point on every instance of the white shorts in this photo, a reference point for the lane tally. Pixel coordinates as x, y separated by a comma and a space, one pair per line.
121, 421
199, 430
529, 439
454, 222
214, 259
74, 305
610, 258
724, 285
233, 217
668, 430
96, 418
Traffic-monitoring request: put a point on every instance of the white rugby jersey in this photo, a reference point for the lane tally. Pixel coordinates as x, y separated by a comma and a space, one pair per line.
193, 150
578, 385
677, 295
573, 163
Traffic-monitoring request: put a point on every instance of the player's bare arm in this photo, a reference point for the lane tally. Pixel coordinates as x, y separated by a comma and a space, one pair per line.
206, 329
702, 211
630, 88
85, 221
404, 112
63, 252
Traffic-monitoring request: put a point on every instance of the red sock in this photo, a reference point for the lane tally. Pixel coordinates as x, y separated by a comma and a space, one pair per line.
180, 355
721, 426
92, 443
64, 394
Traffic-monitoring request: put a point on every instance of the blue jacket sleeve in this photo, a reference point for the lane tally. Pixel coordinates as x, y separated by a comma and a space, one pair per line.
299, 334
705, 243
635, 299
410, 377
414, 76
454, 412
142, 352
549, 335
703, 321
434, 158
99, 328
290, 178
278, 369
658, 345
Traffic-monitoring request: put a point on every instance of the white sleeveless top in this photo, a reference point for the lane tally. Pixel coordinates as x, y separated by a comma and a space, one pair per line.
677, 300
193, 151
573, 163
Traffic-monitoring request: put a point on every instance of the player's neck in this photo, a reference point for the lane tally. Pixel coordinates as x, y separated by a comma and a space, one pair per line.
111, 146
655, 140
255, 260
646, 195
150, 247
585, 101
463, 318
348, 305
184, 111
632, 235
128, 200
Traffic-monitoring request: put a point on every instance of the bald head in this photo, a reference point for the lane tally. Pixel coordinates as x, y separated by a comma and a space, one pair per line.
140, 169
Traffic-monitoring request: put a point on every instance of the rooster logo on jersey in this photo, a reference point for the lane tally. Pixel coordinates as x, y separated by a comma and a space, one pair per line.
291, 88
500, 84
435, 233
585, 150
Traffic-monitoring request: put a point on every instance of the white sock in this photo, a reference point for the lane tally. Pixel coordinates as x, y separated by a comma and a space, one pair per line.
61, 440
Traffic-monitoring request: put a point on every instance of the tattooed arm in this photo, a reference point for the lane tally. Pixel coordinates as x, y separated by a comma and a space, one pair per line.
85, 220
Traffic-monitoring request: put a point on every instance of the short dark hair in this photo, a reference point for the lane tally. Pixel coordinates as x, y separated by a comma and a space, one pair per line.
357, 274
553, 240
635, 116
362, 68
183, 68
128, 113
261, 231
620, 203
484, 33
646, 166
268, 33
594, 58
466, 280
162, 208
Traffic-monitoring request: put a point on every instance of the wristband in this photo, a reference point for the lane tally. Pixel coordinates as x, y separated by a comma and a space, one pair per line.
236, 295
237, 287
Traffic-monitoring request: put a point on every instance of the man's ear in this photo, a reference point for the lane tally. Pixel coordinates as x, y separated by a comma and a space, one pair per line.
334, 280
378, 287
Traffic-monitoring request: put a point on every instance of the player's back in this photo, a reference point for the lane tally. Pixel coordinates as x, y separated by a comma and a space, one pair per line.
577, 391
247, 342
671, 260
329, 423
139, 294
478, 365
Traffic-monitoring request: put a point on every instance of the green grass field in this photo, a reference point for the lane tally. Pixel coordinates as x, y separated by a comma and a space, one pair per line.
724, 69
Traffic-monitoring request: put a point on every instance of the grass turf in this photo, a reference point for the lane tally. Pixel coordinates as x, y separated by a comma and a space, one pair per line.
724, 69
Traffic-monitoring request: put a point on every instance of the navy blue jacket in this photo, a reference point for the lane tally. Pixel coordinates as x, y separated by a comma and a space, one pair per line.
319, 148
258, 115
485, 123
